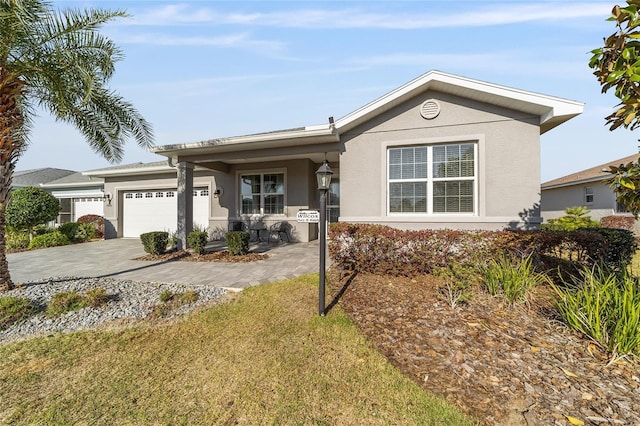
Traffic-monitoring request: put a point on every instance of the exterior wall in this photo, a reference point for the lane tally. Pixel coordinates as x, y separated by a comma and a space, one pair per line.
508, 163
555, 201
298, 195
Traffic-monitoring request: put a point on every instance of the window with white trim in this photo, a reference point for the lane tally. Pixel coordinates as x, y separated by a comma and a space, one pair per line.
262, 193
588, 194
432, 179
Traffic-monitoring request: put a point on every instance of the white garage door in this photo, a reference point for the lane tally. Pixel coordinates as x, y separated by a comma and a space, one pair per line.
83, 206
147, 211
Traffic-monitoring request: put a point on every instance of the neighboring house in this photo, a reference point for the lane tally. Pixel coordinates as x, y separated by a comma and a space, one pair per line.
584, 188
35, 177
441, 151
79, 195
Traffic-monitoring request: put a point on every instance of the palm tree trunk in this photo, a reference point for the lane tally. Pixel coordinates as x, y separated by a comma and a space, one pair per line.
11, 144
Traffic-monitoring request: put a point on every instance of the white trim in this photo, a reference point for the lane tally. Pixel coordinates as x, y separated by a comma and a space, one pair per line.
261, 172
426, 220
478, 151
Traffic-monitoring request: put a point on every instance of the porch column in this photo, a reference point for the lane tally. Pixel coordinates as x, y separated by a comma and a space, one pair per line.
185, 202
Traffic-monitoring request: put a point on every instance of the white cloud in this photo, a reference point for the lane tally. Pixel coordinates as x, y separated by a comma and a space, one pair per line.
358, 18
241, 40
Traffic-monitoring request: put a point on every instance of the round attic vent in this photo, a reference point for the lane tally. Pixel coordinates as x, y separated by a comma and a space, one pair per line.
430, 109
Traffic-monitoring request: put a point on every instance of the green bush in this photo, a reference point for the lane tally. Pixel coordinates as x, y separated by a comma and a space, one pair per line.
197, 240
620, 246
237, 242
155, 242
78, 232
574, 218
69, 230
605, 306
86, 232
53, 239
29, 207
96, 221
16, 240
13, 309
513, 278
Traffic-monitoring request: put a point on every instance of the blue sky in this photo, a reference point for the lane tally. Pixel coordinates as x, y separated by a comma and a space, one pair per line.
207, 69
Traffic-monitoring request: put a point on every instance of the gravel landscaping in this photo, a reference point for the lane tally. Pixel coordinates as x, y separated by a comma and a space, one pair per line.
127, 300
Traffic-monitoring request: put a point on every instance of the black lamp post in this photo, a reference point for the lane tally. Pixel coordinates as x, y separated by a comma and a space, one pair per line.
323, 174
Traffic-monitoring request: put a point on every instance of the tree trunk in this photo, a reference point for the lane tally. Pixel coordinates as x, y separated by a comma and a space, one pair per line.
11, 145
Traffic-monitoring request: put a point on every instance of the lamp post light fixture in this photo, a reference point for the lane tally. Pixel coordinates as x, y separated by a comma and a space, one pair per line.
323, 174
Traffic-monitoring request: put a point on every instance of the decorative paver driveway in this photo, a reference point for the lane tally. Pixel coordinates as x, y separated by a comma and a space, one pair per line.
115, 258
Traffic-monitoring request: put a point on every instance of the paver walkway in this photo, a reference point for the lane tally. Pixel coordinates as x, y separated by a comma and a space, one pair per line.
115, 258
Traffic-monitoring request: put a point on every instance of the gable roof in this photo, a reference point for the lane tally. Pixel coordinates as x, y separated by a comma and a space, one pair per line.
35, 177
592, 174
77, 179
552, 111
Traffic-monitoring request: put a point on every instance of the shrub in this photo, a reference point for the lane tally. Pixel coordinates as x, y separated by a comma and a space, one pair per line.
618, 222
52, 239
77, 232
604, 306
197, 240
69, 230
16, 240
237, 242
155, 242
513, 278
96, 221
14, 309
574, 218
189, 296
86, 232
166, 296
619, 248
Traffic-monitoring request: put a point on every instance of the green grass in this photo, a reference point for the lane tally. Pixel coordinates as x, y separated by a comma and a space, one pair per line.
264, 358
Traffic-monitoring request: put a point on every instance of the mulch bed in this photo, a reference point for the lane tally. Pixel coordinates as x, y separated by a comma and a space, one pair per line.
216, 256
503, 365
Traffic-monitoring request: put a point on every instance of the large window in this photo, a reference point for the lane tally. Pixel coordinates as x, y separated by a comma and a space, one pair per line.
432, 179
262, 193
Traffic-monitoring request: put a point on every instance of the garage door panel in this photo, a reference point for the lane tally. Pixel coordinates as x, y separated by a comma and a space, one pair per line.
84, 206
158, 212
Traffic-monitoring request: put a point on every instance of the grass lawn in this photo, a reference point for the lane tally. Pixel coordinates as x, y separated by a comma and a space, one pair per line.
264, 358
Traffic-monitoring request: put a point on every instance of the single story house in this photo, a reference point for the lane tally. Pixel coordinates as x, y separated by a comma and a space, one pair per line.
79, 195
584, 188
441, 151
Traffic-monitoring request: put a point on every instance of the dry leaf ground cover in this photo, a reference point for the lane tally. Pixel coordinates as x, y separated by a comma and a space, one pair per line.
504, 365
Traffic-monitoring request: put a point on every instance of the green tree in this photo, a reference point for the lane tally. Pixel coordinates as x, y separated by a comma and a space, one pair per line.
617, 65
58, 61
29, 207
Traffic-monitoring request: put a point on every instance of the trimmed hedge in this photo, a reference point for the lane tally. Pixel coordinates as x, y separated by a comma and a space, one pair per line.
155, 242
384, 250
237, 242
77, 232
618, 222
197, 240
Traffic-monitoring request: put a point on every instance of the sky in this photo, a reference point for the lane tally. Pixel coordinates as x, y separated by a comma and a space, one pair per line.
201, 70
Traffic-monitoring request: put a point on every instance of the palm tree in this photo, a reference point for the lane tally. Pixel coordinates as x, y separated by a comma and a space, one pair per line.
58, 61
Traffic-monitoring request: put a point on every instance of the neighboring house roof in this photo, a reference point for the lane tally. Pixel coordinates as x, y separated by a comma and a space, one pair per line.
592, 174
131, 169
74, 180
552, 111
35, 177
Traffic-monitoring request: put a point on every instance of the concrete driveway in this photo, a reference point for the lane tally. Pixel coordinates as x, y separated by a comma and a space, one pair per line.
115, 258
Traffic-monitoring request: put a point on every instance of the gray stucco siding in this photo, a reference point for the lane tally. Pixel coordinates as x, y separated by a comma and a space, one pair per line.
556, 200
507, 152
